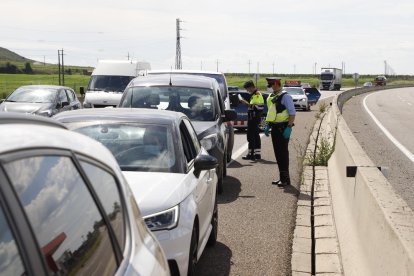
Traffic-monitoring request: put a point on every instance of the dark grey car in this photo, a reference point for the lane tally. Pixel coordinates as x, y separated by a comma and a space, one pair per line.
45, 100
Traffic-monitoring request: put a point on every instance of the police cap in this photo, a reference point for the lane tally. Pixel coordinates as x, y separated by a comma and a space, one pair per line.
272, 80
248, 84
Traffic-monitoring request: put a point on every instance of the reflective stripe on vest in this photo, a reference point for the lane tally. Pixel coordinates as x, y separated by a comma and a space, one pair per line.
272, 115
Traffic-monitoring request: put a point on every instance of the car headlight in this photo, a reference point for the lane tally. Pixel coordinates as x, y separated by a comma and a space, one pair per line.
164, 220
302, 100
209, 141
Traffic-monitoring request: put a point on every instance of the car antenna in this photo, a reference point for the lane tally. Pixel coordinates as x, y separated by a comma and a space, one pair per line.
170, 76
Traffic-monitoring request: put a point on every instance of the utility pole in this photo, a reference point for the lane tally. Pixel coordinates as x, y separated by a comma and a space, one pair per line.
273, 68
201, 65
385, 67
249, 65
61, 68
178, 64
217, 63
128, 56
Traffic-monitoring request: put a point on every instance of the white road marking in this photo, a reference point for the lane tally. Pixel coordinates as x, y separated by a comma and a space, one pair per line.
388, 134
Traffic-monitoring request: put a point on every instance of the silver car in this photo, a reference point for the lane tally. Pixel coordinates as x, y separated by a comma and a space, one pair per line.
45, 100
65, 207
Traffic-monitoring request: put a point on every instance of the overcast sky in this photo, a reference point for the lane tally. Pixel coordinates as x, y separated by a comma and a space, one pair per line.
274, 35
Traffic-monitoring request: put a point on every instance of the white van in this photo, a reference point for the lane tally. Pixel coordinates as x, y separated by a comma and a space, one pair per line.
109, 79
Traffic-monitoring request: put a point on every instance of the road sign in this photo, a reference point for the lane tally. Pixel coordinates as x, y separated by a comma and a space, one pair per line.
355, 76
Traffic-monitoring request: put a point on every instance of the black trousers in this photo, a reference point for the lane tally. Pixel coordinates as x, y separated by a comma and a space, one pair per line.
253, 133
281, 149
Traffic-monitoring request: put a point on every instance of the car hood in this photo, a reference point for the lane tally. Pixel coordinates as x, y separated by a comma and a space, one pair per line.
24, 107
155, 192
203, 128
104, 98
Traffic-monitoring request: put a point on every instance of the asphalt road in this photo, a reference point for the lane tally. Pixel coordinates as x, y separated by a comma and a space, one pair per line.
394, 111
256, 218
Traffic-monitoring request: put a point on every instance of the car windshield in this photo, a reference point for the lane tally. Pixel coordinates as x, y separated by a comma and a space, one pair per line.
326, 76
109, 83
136, 147
294, 90
196, 103
33, 95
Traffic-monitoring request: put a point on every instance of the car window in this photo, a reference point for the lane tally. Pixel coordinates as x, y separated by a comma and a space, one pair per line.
294, 90
136, 147
193, 136
69, 229
62, 96
106, 188
10, 260
188, 145
197, 103
71, 95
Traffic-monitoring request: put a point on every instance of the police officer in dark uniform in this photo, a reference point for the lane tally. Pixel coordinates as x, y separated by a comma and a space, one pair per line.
254, 114
279, 122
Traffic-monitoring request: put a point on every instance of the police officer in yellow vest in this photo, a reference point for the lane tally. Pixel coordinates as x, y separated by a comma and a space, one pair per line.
279, 122
254, 114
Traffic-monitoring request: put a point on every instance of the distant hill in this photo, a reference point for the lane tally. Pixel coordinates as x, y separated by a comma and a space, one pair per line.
7, 55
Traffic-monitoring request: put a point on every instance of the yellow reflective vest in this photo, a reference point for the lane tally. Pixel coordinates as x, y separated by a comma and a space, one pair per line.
276, 112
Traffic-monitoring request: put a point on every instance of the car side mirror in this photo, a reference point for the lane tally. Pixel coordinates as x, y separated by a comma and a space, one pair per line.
82, 91
1, 100
63, 104
230, 115
204, 162
307, 93
87, 105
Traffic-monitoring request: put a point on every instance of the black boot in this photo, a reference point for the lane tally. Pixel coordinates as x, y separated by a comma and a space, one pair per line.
284, 179
249, 156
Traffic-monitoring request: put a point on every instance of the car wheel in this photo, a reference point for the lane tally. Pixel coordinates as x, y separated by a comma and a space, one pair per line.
308, 108
192, 259
214, 224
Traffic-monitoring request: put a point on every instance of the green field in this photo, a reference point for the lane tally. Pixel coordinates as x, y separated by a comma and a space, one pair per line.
9, 82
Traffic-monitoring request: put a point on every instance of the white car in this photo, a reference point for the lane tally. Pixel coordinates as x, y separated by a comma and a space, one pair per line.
172, 177
65, 207
300, 100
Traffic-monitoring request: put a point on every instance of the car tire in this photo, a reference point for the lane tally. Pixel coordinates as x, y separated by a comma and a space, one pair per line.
192, 257
212, 239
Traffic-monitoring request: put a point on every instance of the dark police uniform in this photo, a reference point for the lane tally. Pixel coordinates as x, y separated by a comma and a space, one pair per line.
254, 116
279, 119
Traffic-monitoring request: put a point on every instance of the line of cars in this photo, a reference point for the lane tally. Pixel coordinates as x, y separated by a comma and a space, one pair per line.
169, 137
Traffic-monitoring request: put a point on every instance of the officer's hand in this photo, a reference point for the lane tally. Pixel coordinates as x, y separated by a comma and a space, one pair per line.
267, 130
287, 132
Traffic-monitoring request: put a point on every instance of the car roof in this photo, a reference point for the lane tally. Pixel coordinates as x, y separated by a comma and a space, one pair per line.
176, 80
21, 135
46, 86
146, 115
180, 71
20, 118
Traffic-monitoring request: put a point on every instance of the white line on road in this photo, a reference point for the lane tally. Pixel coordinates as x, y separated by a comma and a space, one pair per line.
388, 134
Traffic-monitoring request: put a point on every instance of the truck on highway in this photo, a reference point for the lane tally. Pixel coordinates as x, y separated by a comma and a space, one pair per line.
331, 79
109, 80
